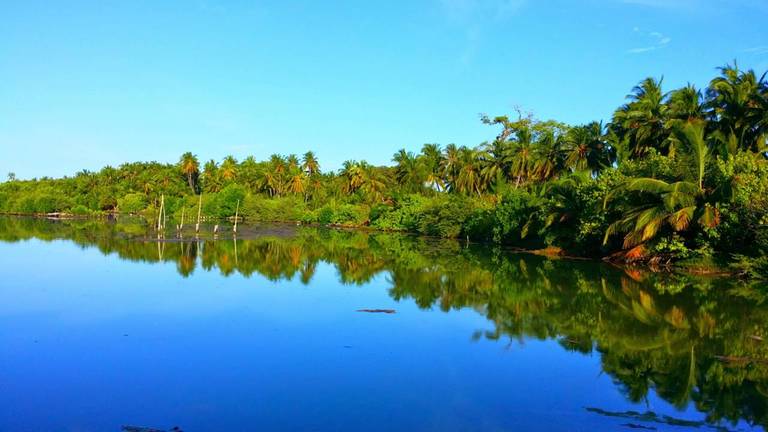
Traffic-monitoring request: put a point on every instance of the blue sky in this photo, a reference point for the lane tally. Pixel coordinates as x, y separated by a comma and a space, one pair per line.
89, 83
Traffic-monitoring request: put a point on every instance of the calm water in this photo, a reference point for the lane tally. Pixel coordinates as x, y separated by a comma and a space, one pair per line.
102, 327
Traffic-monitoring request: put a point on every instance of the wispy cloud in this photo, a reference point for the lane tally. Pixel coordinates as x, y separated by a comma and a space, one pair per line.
757, 50
657, 40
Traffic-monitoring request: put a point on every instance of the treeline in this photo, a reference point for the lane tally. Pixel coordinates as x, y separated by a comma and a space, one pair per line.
674, 175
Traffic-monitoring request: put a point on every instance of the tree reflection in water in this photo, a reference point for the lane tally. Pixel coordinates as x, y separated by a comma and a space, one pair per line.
692, 340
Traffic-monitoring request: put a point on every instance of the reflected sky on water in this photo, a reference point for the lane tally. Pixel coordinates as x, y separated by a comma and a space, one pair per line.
102, 326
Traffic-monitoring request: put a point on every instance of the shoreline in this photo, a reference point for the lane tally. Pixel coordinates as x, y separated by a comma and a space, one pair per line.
251, 231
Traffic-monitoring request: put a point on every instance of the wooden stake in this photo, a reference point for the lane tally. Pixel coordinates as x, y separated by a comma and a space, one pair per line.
165, 215
199, 209
160, 213
237, 212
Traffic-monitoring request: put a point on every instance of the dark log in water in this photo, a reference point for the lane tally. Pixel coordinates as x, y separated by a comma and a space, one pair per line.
146, 429
386, 311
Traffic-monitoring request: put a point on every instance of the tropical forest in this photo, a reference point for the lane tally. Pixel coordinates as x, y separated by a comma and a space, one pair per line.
675, 176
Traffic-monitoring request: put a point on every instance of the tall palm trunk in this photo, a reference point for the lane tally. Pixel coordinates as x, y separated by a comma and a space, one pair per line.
191, 182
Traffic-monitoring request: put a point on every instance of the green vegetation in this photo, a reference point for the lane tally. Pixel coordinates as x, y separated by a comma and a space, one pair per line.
678, 176
693, 340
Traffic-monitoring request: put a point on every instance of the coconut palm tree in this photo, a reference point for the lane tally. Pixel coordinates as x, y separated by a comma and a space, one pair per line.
450, 165
409, 172
292, 162
494, 160
352, 175
431, 158
550, 155
211, 177
249, 173
469, 179
190, 167
669, 204
228, 169
588, 149
522, 155
639, 124
298, 183
737, 107
374, 183
310, 165
685, 104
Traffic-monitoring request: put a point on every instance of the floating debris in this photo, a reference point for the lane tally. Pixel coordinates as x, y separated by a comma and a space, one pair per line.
146, 429
386, 311
638, 426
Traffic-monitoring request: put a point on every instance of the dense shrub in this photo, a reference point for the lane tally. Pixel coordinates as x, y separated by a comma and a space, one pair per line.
742, 183
132, 203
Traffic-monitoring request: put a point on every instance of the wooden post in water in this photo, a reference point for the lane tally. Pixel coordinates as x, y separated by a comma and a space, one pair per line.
199, 209
160, 214
237, 212
235, 240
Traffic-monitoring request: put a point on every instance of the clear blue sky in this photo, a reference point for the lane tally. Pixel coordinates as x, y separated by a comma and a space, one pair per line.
89, 83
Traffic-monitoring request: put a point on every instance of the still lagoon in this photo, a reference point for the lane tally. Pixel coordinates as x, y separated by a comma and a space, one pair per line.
105, 327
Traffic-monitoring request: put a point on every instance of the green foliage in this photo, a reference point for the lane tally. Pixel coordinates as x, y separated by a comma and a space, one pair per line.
516, 217
672, 245
677, 174
752, 267
445, 217
131, 203
402, 215
80, 210
282, 209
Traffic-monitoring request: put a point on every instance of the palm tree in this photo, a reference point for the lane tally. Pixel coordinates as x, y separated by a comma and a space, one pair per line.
352, 174
432, 157
673, 204
190, 167
685, 104
292, 161
588, 148
374, 183
522, 155
409, 172
469, 179
550, 157
211, 177
310, 165
450, 165
249, 173
297, 183
275, 174
563, 196
228, 169
639, 124
494, 160
738, 108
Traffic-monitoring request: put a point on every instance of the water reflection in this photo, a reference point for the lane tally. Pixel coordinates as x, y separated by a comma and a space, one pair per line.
691, 340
